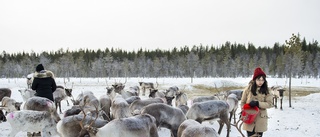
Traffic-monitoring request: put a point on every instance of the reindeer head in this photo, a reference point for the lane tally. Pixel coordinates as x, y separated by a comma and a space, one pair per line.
17, 105
118, 87
152, 92
169, 100
109, 90
68, 91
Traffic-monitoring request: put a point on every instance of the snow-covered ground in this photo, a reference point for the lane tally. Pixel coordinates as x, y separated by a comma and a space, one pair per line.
302, 119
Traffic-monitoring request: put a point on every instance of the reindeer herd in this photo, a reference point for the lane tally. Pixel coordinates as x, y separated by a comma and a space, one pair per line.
120, 112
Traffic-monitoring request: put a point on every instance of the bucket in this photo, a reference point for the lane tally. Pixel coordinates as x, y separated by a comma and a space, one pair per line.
249, 114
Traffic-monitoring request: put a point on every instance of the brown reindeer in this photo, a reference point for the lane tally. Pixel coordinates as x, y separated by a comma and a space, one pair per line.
5, 92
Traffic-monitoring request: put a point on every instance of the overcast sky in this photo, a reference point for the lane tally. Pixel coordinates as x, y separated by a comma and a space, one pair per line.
48, 25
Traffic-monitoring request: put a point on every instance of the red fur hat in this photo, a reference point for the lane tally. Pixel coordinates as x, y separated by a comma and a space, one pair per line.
258, 72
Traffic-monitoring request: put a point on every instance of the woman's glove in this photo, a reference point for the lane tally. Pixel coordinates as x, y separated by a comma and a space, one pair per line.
254, 103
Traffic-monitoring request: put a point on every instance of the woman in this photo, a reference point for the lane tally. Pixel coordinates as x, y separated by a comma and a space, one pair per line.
257, 94
43, 83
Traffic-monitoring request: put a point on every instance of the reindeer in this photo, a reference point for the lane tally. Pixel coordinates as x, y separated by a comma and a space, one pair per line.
172, 91
38, 104
105, 105
192, 128
60, 94
41, 104
120, 108
210, 110
119, 88
135, 90
184, 108
33, 121
73, 126
74, 110
90, 104
5, 92
205, 98
27, 93
29, 80
2, 116
159, 94
136, 106
132, 99
277, 92
146, 85
10, 104
135, 126
238, 93
70, 126
181, 99
166, 116
233, 102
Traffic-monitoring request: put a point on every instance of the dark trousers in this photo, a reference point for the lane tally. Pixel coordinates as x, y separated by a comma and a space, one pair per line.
253, 132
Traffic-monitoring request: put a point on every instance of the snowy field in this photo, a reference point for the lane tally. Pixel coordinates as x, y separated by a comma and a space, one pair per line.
301, 120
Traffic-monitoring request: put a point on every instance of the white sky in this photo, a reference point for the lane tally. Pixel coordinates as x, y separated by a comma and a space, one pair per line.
43, 25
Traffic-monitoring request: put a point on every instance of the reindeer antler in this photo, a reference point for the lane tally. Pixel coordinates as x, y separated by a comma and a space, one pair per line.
87, 128
238, 126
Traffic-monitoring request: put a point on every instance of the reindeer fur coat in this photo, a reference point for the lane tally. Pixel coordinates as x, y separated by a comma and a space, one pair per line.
265, 101
44, 84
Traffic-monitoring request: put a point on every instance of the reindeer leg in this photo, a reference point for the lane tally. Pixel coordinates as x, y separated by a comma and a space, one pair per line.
276, 102
60, 107
273, 101
234, 116
281, 103
220, 126
67, 103
230, 116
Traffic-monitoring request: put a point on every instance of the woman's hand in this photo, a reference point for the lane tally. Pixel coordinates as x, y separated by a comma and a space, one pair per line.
254, 103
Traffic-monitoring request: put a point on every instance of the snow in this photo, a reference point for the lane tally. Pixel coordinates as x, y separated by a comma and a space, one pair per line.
302, 119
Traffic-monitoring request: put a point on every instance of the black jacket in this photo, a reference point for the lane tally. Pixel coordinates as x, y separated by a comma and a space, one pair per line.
44, 84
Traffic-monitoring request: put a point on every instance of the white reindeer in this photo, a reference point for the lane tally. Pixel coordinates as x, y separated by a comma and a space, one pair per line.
10, 104
277, 92
27, 93
233, 102
33, 121
29, 80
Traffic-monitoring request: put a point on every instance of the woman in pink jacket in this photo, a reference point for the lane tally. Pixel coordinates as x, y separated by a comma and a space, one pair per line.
257, 94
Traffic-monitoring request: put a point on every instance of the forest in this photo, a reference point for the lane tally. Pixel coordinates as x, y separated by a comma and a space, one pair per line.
296, 57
